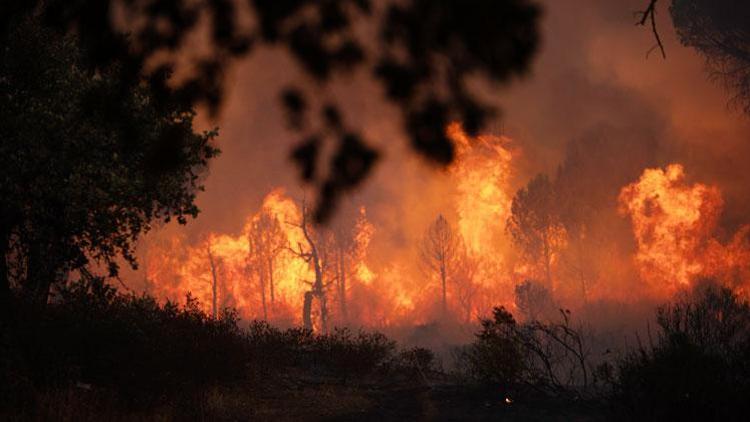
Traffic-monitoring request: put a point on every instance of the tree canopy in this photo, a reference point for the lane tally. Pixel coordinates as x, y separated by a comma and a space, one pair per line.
719, 31
87, 162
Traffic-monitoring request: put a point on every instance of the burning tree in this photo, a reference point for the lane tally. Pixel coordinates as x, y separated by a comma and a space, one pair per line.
534, 224
466, 287
349, 244
440, 252
266, 240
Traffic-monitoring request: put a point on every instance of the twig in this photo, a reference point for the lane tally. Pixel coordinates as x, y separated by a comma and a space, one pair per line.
650, 14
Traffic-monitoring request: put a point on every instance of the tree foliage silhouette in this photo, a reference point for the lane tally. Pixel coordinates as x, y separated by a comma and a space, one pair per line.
422, 54
534, 224
719, 31
81, 175
441, 251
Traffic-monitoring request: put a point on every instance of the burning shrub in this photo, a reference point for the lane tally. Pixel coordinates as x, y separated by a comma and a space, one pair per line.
699, 367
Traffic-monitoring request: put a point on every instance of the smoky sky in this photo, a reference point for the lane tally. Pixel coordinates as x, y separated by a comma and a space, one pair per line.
592, 75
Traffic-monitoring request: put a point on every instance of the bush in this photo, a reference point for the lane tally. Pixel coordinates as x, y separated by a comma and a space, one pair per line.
128, 344
145, 354
347, 354
549, 357
496, 357
416, 361
699, 366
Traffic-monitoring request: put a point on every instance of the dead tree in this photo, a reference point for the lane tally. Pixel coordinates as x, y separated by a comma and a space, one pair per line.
313, 254
265, 241
439, 251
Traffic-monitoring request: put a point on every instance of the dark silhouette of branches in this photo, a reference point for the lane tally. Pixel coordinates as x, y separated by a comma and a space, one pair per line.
440, 252
534, 224
422, 54
719, 32
649, 14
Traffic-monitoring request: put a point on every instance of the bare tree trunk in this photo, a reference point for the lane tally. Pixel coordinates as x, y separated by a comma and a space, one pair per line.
443, 280
270, 278
318, 288
41, 273
307, 311
262, 280
342, 283
213, 282
323, 313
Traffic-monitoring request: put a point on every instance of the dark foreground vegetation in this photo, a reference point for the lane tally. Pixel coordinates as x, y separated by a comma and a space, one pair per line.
97, 354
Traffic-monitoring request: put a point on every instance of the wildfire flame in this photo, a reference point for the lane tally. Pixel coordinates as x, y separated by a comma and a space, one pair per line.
219, 271
482, 172
675, 225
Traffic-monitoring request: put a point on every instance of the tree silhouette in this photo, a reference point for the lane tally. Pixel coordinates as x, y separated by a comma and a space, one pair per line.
718, 30
440, 252
348, 240
83, 176
534, 223
266, 240
422, 54
316, 253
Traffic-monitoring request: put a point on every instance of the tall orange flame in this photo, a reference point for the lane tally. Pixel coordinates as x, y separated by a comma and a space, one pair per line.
675, 225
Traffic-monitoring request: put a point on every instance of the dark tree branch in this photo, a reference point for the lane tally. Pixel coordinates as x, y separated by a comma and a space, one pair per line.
649, 14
